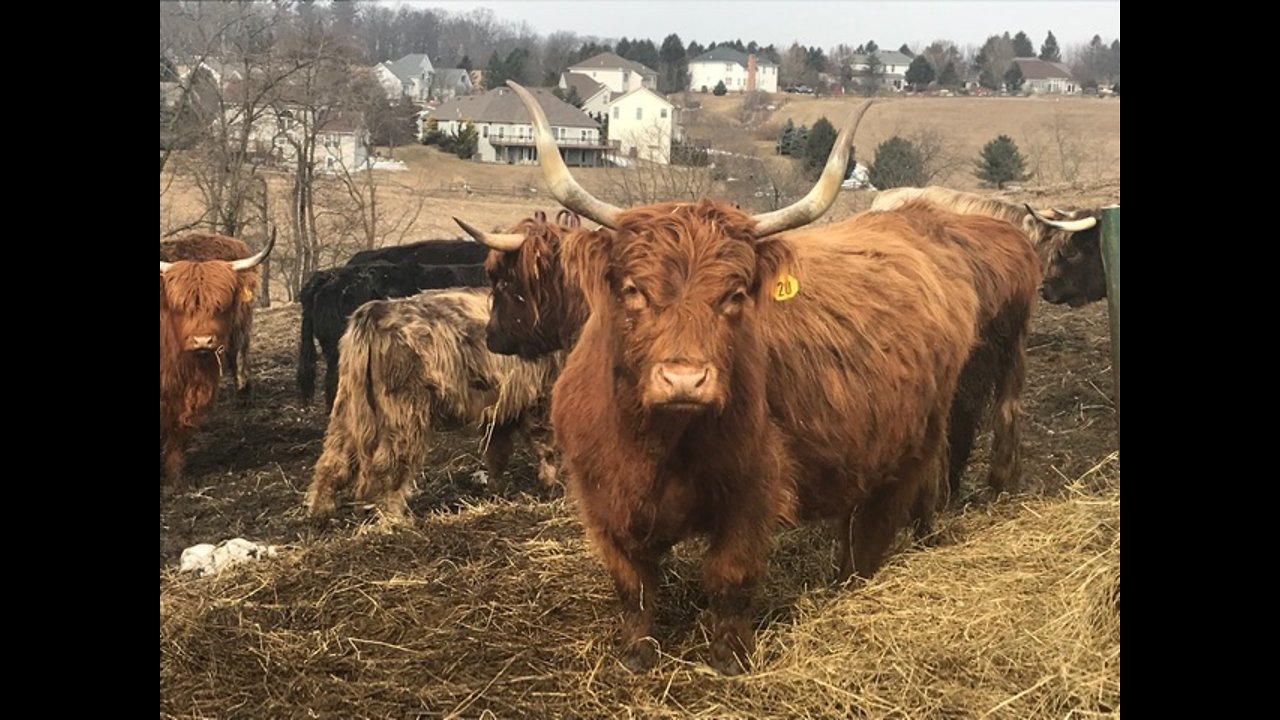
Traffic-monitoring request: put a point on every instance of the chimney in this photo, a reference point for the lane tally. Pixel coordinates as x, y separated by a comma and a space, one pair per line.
751, 72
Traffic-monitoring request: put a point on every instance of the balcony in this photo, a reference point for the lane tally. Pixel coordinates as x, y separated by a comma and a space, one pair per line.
498, 141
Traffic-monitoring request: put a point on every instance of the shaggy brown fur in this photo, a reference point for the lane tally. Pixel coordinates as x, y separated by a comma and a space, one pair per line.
830, 405
1006, 274
413, 363
1071, 262
198, 299
200, 247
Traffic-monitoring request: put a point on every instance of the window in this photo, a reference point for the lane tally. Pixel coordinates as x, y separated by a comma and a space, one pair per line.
617, 113
663, 113
728, 67
502, 131
584, 136
484, 131
639, 113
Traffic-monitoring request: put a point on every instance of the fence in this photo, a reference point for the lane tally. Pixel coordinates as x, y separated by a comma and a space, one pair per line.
1111, 264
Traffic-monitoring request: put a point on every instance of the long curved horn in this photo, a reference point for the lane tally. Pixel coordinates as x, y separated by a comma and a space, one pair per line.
253, 260
506, 242
1068, 225
563, 187
819, 200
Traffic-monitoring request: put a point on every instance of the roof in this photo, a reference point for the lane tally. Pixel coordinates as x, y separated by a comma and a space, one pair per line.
610, 61
409, 66
342, 122
629, 93
1037, 69
886, 57
724, 53
501, 105
585, 86
455, 76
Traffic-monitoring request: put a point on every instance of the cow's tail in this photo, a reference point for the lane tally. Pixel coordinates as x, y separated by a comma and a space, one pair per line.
382, 388
307, 353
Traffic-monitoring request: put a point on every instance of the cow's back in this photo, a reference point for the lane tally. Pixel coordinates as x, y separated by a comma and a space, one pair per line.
426, 252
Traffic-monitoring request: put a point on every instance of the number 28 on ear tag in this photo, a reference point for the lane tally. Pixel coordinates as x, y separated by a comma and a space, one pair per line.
785, 287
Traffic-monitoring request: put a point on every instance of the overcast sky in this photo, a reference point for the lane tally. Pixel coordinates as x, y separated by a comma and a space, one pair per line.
826, 24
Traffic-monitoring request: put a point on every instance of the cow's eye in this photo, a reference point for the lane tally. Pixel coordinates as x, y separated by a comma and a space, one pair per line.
732, 302
632, 298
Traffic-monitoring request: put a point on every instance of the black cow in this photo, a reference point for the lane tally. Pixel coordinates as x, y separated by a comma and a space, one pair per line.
426, 252
330, 296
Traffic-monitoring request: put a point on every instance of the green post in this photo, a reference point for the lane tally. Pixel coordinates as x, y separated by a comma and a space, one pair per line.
1111, 264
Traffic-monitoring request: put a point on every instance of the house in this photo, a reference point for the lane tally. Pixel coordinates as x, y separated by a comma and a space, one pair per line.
644, 123
594, 96
738, 71
414, 72
892, 67
387, 80
1043, 77
616, 73
341, 140
505, 132
451, 83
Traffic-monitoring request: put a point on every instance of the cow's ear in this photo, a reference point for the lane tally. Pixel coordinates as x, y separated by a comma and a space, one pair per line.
777, 270
585, 257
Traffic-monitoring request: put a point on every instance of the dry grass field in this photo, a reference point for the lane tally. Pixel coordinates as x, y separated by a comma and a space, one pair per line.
494, 607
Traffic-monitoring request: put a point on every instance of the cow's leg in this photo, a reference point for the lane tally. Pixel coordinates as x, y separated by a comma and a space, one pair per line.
333, 471
498, 454
1006, 450
842, 527
537, 432
240, 367
330, 373
898, 498
172, 459
635, 578
972, 393
735, 560
932, 494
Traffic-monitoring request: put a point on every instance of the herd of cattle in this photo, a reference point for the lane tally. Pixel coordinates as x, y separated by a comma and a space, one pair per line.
684, 369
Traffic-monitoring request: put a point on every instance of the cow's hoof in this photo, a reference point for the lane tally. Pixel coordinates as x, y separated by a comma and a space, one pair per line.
726, 660
641, 656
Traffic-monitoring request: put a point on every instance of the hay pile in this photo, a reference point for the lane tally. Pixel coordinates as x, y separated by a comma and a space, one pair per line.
500, 611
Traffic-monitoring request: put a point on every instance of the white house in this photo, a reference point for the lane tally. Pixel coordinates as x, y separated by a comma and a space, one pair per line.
341, 141
449, 83
594, 96
505, 132
1042, 77
644, 123
414, 72
891, 64
388, 81
618, 74
738, 71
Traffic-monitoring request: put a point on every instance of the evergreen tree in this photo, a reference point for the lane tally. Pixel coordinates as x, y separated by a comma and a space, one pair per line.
1013, 79
920, 72
1049, 50
720, 89
1001, 162
949, 76
1022, 46
898, 163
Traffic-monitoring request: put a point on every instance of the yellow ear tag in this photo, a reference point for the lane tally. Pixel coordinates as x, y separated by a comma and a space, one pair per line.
246, 295
785, 287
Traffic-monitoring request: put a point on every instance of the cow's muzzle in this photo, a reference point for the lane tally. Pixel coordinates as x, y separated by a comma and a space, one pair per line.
683, 386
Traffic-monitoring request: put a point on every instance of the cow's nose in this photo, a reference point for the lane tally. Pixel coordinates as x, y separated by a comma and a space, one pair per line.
203, 342
682, 379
